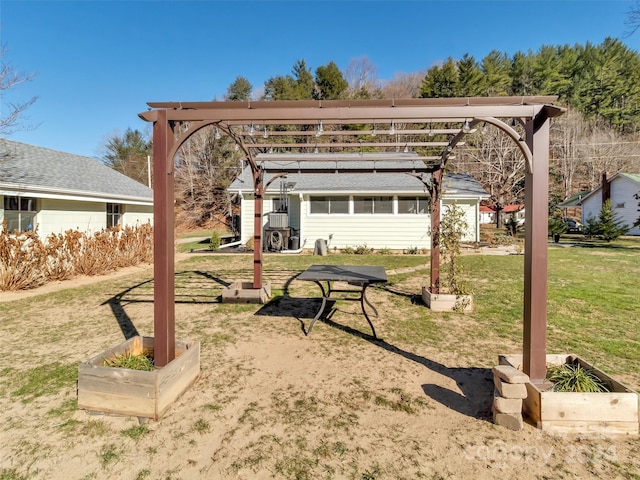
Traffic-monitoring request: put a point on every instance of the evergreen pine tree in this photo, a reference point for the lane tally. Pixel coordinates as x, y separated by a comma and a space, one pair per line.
610, 226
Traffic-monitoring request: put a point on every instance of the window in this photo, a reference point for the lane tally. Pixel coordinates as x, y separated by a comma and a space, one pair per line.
330, 205
373, 205
114, 212
418, 205
19, 212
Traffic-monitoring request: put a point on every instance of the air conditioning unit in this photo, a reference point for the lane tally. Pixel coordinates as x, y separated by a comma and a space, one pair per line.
278, 220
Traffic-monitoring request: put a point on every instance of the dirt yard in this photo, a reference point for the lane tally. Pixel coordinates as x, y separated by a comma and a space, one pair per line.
271, 402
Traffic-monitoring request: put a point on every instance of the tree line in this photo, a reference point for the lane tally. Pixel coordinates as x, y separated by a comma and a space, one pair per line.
599, 85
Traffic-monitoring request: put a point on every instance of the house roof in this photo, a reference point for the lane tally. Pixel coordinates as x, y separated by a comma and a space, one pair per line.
50, 173
510, 208
574, 200
377, 181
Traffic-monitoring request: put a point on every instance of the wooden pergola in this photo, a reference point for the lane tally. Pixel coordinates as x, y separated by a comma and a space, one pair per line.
433, 127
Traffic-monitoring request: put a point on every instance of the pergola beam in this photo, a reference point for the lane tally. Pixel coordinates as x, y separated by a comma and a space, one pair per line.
309, 116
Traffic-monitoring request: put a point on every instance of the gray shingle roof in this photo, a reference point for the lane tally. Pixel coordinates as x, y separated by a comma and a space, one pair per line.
28, 166
460, 185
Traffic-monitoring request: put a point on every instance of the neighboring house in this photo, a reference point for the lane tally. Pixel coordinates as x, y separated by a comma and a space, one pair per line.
572, 206
621, 189
378, 209
488, 213
53, 191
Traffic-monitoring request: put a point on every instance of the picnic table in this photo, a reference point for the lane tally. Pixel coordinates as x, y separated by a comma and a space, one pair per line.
356, 275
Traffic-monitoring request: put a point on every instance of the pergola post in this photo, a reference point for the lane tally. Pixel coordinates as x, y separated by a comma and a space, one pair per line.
258, 181
435, 191
535, 257
163, 248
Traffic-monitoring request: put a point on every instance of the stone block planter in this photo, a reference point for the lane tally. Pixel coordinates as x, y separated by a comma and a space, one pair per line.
614, 412
443, 302
138, 393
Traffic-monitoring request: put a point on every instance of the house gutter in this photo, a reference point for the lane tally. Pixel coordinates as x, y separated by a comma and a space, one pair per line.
231, 244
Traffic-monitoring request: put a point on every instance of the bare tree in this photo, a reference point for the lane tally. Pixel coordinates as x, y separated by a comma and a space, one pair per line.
205, 166
633, 20
567, 154
605, 150
362, 76
404, 85
496, 162
12, 112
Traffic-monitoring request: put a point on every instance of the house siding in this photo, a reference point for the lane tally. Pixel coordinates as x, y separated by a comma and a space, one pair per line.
622, 192
135, 215
393, 231
56, 216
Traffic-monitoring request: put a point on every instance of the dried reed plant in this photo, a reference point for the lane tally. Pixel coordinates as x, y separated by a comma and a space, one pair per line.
27, 262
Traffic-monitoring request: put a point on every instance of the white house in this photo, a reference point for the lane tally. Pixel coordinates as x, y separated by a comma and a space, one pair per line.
347, 209
54, 191
621, 189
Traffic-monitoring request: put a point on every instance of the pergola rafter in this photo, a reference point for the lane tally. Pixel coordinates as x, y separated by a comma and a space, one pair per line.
363, 126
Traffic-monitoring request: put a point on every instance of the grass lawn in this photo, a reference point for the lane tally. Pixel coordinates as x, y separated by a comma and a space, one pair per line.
272, 403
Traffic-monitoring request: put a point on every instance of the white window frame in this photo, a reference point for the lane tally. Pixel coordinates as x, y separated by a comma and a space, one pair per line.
328, 199
374, 199
25, 210
114, 218
418, 201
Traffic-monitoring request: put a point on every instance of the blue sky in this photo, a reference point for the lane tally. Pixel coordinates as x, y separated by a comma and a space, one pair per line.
97, 63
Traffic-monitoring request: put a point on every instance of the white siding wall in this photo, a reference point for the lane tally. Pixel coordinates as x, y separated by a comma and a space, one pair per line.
397, 232
471, 214
622, 192
57, 216
591, 207
135, 215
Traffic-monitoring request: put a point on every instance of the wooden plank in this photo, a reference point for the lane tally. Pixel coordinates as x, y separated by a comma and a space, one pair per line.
134, 383
175, 378
531, 404
599, 407
607, 428
115, 403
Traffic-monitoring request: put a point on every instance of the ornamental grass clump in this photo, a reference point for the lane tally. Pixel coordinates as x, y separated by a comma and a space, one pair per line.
143, 361
572, 377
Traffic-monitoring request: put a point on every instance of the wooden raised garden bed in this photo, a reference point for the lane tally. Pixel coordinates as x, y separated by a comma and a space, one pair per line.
613, 412
135, 392
444, 302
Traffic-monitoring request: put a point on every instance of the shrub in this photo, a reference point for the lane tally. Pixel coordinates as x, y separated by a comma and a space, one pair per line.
511, 225
363, 250
215, 241
452, 227
27, 262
